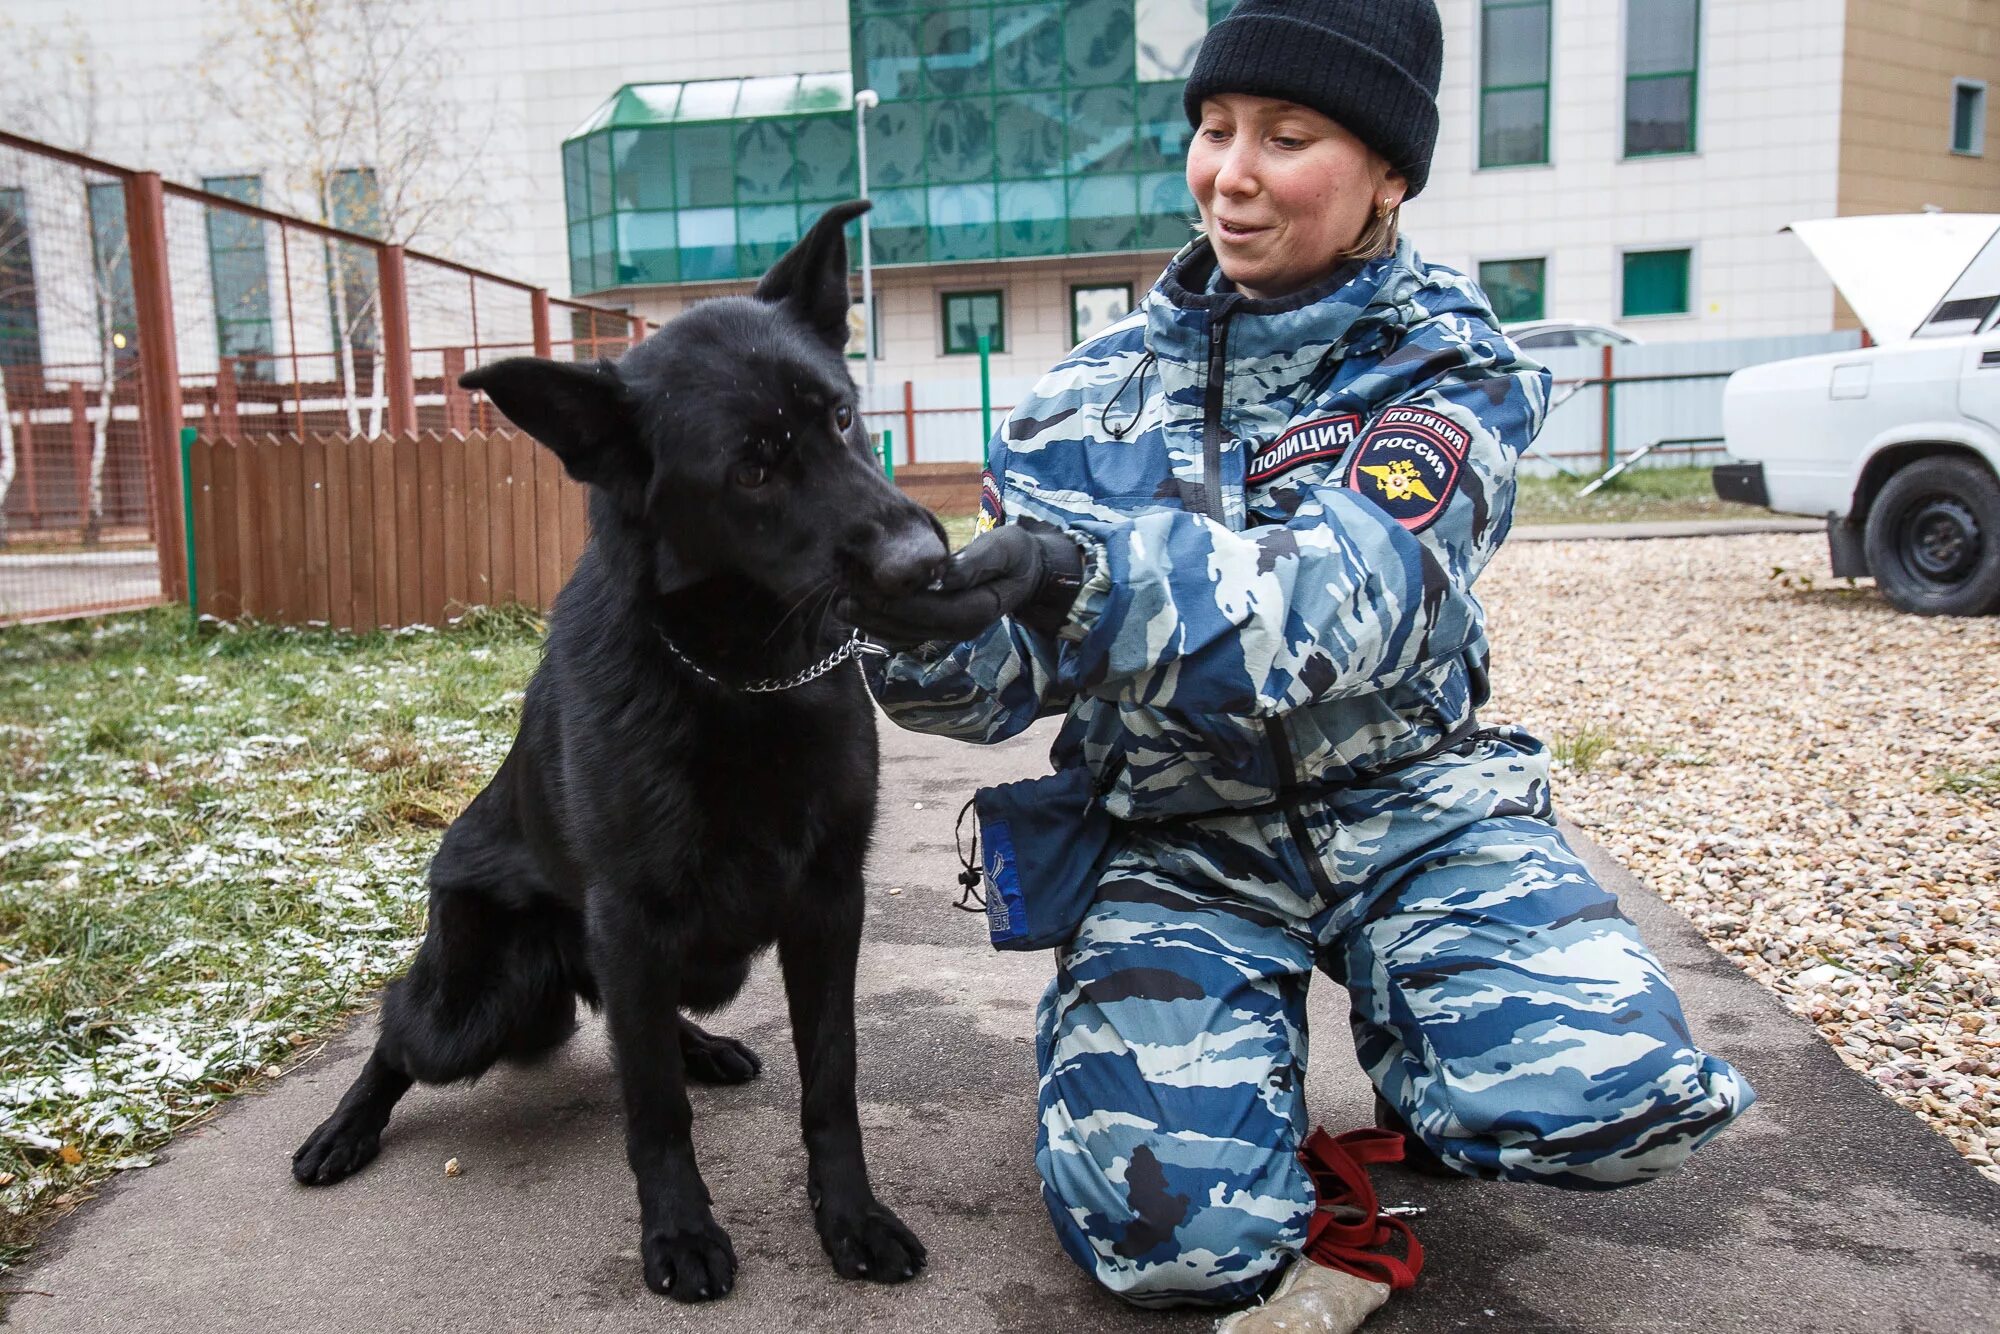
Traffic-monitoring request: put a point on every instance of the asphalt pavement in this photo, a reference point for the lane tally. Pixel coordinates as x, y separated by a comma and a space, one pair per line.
1826, 1209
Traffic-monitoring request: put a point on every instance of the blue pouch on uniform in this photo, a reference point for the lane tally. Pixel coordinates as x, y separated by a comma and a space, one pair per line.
1040, 843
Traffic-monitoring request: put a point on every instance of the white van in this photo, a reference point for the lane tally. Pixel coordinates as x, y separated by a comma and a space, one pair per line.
1897, 445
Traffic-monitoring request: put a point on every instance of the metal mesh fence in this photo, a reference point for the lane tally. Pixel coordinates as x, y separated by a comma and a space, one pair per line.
260, 324
76, 515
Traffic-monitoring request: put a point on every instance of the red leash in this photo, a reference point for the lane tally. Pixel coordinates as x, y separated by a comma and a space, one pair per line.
1349, 1223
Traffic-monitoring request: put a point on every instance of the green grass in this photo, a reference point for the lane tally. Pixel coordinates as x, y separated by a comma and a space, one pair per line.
1582, 749
1963, 781
1644, 494
213, 848
1640, 495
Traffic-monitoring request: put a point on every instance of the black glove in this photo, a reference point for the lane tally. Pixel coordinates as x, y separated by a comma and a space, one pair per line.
1028, 569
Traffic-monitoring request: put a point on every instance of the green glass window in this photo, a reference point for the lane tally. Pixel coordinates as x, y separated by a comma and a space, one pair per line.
20, 313
354, 203
1166, 211
764, 161
970, 314
958, 51
1662, 56
1027, 46
240, 280
1517, 288
1656, 282
1006, 128
117, 307
1098, 44
1028, 135
1968, 118
1094, 309
1164, 133
961, 140
888, 55
1513, 83
576, 190
826, 168
704, 166
1032, 219
962, 222
1103, 213
642, 168
897, 226
1101, 130
648, 247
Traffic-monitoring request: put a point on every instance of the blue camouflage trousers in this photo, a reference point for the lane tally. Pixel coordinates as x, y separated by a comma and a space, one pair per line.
1498, 997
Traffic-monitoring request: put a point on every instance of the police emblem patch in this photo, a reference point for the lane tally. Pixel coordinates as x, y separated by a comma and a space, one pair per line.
1409, 464
991, 512
1325, 439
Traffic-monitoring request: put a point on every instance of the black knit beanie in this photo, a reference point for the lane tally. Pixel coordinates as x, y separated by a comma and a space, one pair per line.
1371, 65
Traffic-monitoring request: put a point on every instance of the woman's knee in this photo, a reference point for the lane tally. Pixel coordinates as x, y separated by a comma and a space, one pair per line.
1166, 1223
1619, 1128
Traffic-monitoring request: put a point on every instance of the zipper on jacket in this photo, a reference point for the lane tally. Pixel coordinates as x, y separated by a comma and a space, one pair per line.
1289, 798
1211, 415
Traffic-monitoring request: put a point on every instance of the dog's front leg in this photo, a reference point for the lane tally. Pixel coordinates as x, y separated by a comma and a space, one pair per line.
818, 952
687, 1255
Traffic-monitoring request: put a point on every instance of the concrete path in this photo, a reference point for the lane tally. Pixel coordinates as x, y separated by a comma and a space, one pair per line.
1639, 530
1827, 1209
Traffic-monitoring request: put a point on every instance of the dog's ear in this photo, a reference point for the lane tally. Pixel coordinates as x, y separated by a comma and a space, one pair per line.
811, 277
576, 408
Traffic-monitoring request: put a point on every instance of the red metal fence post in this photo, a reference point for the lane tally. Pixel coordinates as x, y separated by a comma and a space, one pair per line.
909, 422
159, 372
398, 375
538, 315
1607, 449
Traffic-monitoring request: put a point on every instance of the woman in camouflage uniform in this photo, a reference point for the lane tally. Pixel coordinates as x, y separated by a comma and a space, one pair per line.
1233, 539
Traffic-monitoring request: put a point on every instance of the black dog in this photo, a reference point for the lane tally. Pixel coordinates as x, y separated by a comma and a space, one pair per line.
668, 810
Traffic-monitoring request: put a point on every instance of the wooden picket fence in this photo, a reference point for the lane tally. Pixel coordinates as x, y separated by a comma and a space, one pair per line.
388, 532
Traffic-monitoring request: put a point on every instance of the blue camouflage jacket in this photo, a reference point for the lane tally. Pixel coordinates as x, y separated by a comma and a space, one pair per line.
1283, 505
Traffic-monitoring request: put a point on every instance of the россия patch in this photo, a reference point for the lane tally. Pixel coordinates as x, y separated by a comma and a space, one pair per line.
1325, 438
1409, 464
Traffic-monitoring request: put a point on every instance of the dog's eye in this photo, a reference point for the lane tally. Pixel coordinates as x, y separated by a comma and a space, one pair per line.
843, 416
751, 475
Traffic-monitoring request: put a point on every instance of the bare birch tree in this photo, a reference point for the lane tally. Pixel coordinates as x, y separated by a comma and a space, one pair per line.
351, 102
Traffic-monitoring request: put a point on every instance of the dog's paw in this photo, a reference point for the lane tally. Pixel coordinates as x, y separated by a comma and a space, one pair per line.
336, 1150
696, 1264
872, 1244
711, 1059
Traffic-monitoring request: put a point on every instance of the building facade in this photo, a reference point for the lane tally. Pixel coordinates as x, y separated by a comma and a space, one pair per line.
1624, 161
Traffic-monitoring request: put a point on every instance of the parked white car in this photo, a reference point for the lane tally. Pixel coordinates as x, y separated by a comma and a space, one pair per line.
1897, 446
1567, 333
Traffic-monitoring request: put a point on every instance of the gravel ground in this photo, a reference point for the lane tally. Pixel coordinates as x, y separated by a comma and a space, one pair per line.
1810, 775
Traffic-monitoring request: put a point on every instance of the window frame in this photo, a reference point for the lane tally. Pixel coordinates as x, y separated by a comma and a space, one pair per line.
945, 298
264, 366
1976, 148
1626, 79
25, 297
1547, 86
1076, 335
1479, 275
1687, 248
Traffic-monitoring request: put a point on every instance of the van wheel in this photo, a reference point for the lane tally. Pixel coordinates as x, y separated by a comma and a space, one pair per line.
1934, 538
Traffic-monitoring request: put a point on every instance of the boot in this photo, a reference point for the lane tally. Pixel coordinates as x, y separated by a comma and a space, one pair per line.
1417, 1155
1311, 1300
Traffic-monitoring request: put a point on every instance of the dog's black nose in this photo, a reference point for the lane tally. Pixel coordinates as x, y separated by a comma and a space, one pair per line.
908, 559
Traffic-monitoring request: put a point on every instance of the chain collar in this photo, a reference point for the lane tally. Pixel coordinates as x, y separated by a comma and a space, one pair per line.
851, 646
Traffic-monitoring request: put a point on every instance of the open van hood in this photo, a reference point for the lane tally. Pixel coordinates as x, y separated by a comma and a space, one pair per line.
1895, 268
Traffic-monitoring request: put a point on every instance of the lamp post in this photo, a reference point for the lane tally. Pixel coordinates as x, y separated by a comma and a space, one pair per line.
863, 100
